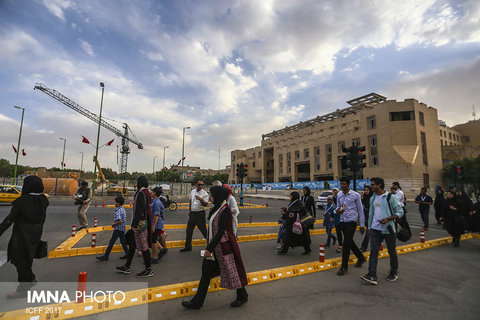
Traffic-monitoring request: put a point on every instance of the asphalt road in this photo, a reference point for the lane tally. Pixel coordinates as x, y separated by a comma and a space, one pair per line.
428, 285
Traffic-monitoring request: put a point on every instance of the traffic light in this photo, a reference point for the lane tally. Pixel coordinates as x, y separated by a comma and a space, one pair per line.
349, 158
359, 157
238, 170
245, 170
459, 172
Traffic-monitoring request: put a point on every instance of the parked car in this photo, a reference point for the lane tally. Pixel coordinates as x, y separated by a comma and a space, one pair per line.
9, 193
322, 199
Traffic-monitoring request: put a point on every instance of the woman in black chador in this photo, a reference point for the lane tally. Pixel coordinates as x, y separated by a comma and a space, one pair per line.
27, 216
453, 215
291, 239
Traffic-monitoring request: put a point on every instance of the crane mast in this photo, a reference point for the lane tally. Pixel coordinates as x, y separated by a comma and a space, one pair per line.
126, 138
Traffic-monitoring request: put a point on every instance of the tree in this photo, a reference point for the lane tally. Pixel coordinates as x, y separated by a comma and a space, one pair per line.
471, 173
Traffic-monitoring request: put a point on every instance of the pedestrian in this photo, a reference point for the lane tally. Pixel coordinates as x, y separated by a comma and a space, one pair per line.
309, 202
367, 194
140, 228
83, 197
384, 210
467, 205
196, 214
349, 206
159, 246
328, 221
222, 254
119, 227
291, 239
232, 203
424, 201
476, 215
281, 228
27, 215
400, 196
453, 215
336, 221
438, 204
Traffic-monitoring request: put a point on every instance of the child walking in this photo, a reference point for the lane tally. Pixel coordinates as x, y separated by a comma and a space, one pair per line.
328, 221
119, 228
281, 228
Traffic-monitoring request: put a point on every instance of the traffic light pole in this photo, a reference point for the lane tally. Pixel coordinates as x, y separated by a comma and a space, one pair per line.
241, 191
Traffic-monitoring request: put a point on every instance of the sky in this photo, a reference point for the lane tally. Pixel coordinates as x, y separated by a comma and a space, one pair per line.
229, 70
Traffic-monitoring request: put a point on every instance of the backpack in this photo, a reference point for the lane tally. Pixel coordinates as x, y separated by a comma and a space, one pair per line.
297, 226
404, 233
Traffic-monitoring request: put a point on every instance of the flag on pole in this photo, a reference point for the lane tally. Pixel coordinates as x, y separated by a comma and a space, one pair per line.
24, 153
180, 161
85, 140
14, 149
109, 143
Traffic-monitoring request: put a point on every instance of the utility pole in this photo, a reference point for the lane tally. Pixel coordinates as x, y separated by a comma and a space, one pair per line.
81, 163
183, 156
63, 155
102, 85
163, 168
18, 145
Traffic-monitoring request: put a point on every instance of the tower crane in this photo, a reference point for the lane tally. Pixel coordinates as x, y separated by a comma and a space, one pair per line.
125, 150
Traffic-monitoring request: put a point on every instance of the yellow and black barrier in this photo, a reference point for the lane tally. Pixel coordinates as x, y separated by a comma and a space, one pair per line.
173, 291
66, 249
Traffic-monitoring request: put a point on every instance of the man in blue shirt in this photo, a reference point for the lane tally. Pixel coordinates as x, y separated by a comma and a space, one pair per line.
384, 209
424, 201
349, 206
159, 247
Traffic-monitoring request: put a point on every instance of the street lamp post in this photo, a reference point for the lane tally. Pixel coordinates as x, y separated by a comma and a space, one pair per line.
163, 168
98, 139
18, 145
81, 163
63, 156
183, 156
154, 164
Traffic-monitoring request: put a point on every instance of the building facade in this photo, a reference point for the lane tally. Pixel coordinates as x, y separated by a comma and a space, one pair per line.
401, 140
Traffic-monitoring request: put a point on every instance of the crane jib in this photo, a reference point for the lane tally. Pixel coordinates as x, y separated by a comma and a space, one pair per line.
125, 150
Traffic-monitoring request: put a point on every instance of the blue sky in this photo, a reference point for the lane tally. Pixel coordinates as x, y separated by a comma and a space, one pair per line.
231, 70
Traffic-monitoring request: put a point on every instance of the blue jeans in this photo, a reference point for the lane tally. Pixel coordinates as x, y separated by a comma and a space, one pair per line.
376, 238
328, 231
280, 232
115, 235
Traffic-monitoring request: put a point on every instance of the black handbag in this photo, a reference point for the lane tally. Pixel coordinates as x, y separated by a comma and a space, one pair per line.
42, 250
307, 221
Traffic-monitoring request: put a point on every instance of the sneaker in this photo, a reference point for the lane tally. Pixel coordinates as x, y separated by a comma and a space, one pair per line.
185, 249
360, 263
145, 273
370, 278
102, 258
341, 272
392, 277
279, 246
153, 261
123, 269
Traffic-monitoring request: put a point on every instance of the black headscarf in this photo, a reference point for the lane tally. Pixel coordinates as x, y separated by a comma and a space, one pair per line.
219, 194
295, 196
32, 184
308, 191
142, 182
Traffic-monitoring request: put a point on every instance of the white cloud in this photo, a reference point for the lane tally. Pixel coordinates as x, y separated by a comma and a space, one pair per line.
57, 7
86, 47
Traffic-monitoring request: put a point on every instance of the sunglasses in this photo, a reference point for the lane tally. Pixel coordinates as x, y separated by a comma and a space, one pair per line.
198, 184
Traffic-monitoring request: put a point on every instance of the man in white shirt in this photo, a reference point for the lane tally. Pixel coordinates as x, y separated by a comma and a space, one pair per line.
349, 206
196, 214
400, 195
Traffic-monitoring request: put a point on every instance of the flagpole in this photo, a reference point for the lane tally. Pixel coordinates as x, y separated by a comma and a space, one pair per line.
98, 139
18, 145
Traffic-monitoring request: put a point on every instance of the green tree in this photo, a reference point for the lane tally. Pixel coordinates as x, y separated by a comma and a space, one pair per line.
471, 173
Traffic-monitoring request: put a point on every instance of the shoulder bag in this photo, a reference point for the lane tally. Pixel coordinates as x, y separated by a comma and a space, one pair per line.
403, 234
